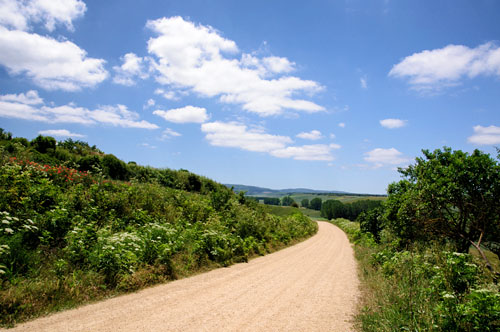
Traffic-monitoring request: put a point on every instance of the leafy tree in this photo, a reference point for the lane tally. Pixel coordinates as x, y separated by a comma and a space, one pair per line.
287, 201
451, 195
272, 201
89, 163
194, 183
315, 204
332, 209
44, 144
305, 203
372, 221
5, 135
21, 140
114, 167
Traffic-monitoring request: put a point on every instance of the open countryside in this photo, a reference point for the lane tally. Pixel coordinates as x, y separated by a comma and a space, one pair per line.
139, 143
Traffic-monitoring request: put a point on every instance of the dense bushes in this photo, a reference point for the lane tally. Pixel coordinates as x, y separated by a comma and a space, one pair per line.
422, 288
414, 249
69, 235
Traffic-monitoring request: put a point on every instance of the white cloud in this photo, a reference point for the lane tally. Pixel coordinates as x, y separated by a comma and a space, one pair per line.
193, 57
169, 133
149, 103
51, 64
237, 135
364, 82
382, 157
19, 107
332, 136
169, 95
20, 15
393, 123
29, 98
60, 133
305, 152
313, 135
335, 146
188, 114
133, 67
485, 135
342, 125
447, 66
278, 65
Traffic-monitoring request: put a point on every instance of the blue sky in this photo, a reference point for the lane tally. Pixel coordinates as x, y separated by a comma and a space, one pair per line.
332, 95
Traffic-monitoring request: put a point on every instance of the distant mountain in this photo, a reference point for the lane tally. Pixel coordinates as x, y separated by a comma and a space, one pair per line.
259, 191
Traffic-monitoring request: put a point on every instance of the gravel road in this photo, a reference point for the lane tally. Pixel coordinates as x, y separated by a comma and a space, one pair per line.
312, 286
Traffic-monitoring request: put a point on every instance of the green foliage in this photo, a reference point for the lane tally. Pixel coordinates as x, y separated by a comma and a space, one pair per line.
287, 201
114, 167
450, 195
372, 221
304, 203
44, 144
90, 163
333, 209
69, 233
423, 289
272, 201
315, 204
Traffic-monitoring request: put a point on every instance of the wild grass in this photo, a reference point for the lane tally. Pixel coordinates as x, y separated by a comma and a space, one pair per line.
422, 288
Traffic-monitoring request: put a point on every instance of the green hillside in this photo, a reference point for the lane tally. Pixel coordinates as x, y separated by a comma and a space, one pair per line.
78, 225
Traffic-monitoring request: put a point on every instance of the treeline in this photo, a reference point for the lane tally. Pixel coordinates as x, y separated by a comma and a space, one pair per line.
333, 209
415, 249
71, 233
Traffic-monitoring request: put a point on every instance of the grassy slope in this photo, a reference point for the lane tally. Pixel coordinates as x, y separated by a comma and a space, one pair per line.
75, 237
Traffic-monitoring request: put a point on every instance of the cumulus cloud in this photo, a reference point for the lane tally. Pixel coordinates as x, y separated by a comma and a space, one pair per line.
20, 15
485, 135
447, 66
342, 125
188, 114
29, 98
393, 123
60, 133
383, 157
21, 107
133, 67
198, 58
312, 135
237, 135
50, 63
278, 65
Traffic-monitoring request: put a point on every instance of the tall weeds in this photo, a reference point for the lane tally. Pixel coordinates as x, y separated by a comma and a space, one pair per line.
422, 288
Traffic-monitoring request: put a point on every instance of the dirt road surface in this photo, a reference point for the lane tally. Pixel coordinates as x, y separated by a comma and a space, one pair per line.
312, 286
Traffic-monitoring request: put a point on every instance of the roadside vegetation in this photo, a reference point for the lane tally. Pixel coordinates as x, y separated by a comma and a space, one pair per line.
429, 254
78, 225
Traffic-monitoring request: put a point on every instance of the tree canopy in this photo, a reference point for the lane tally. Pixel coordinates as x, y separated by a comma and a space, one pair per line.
450, 195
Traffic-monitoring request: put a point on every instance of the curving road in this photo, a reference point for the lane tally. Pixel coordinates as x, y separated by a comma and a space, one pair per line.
312, 286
